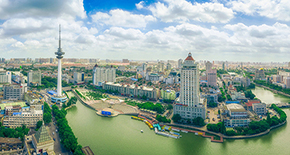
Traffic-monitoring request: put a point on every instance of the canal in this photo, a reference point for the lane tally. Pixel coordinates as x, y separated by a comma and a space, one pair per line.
121, 135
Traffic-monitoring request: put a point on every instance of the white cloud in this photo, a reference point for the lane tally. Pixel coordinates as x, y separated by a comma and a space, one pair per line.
127, 34
140, 5
183, 10
122, 18
277, 9
43, 8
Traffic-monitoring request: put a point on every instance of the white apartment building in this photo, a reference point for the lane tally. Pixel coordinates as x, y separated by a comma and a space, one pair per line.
237, 116
79, 77
28, 117
13, 92
189, 105
5, 76
101, 75
34, 78
259, 108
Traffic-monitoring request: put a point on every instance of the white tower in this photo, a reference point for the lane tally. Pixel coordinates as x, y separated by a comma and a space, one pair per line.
189, 105
59, 56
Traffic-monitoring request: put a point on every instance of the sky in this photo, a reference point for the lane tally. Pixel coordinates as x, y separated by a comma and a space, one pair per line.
226, 30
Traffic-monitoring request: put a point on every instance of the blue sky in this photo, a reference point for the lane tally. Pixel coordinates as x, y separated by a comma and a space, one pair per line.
234, 30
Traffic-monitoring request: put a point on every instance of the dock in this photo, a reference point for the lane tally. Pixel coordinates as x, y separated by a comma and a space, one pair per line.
87, 150
200, 133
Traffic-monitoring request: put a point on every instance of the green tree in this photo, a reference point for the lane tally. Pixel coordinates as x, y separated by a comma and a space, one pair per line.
269, 121
176, 118
47, 118
169, 107
38, 125
230, 133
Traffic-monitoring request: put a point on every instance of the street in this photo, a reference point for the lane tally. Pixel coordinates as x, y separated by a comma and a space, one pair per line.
58, 148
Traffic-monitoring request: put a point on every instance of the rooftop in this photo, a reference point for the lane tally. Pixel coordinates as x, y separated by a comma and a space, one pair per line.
235, 107
250, 102
42, 135
189, 57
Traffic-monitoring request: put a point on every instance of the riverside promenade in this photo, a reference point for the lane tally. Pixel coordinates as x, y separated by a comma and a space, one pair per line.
222, 136
98, 105
273, 90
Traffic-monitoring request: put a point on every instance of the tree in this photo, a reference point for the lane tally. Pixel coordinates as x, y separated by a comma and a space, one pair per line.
269, 121
169, 107
39, 124
198, 121
47, 118
176, 118
230, 133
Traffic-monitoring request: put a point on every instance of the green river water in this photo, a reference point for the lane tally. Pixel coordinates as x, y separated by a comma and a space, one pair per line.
121, 136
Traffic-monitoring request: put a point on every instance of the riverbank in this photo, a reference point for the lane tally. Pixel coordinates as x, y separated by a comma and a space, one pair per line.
121, 135
225, 136
204, 130
99, 105
273, 90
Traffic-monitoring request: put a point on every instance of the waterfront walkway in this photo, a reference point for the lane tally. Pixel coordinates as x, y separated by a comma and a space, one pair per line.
99, 105
202, 134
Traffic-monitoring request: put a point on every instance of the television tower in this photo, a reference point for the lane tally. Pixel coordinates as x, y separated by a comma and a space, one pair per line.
59, 56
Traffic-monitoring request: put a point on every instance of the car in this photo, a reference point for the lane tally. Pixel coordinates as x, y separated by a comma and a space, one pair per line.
53, 133
53, 139
208, 111
55, 130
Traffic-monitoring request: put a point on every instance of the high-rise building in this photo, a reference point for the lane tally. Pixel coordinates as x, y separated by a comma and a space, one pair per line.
79, 77
208, 66
212, 77
260, 74
34, 78
223, 66
101, 75
287, 81
160, 66
190, 105
13, 92
125, 61
5, 76
168, 66
180, 63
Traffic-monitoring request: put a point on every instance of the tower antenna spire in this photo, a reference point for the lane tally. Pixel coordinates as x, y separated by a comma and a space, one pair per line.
59, 36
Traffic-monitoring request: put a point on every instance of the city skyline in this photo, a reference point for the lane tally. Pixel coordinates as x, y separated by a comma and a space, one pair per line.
166, 30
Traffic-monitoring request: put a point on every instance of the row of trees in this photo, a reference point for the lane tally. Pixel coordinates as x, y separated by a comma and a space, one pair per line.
80, 94
222, 97
46, 113
66, 134
254, 127
18, 132
282, 114
273, 86
160, 118
49, 82
72, 100
219, 127
96, 95
151, 106
249, 94
196, 121
127, 74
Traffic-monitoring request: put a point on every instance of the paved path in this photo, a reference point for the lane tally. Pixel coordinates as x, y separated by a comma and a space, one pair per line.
58, 147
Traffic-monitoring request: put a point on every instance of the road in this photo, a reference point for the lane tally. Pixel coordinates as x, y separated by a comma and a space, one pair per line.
58, 147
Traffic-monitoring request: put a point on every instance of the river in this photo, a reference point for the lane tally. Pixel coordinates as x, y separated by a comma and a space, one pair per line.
121, 135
